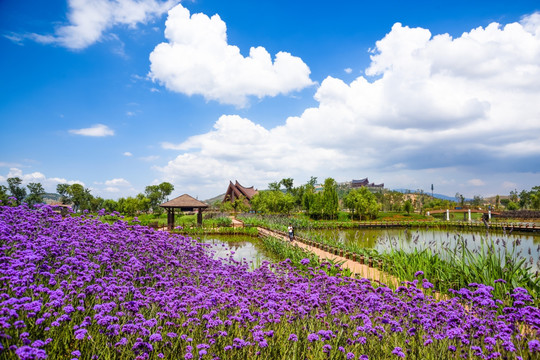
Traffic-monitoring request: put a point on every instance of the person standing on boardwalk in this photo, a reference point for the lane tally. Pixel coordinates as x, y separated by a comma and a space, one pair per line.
291, 232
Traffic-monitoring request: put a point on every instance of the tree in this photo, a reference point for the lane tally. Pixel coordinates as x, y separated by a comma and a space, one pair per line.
143, 203
274, 186
130, 206
330, 199
514, 196
477, 200
80, 197
110, 205
3, 194
226, 206
287, 184
63, 191
15, 189
396, 199
512, 205
75, 194
157, 195
36, 193
316, 206
272, 201
408, 206
524, 199
240, 204
534, 194
460, 199
96, 203
312, 181
362, 203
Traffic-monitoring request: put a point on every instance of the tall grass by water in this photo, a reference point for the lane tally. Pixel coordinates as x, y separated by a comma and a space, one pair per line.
451, 265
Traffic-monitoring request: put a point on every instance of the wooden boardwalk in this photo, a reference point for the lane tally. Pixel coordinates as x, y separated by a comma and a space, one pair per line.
359, 270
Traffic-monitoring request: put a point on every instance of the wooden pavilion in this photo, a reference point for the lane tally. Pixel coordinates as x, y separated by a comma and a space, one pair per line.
184, 203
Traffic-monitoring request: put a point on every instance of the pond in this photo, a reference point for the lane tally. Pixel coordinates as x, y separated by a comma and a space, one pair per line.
242, 248
522, 245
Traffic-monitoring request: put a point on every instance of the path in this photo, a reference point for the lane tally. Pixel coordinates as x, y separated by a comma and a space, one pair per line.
361, 270
236, 222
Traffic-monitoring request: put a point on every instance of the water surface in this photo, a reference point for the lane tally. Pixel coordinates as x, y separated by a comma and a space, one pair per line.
241, 248
521, 245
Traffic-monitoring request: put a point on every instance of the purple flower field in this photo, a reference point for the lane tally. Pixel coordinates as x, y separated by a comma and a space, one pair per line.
77, 288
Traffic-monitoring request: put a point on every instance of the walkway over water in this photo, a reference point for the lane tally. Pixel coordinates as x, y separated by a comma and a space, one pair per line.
358, 269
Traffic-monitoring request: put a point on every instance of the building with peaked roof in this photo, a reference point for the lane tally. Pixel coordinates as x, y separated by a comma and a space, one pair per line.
235, 191
365, 182
183, 203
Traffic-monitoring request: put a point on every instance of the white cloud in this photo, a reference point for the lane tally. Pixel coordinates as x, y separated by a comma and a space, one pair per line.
348, 70
88, 20
476, 182
127, 153
49, 183
9, 164
438, 108
149, 158
509, 185
198, 60
117, 182
118, 187
97, 130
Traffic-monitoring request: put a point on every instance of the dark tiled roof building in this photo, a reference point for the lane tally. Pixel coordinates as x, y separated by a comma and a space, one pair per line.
365, 182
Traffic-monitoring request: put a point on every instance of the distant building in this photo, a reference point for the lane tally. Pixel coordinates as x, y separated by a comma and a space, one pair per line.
235, 191
365, 183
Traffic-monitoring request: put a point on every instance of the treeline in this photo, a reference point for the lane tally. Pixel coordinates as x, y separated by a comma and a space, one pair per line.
525, 200
80, 198
322, 202
327, 200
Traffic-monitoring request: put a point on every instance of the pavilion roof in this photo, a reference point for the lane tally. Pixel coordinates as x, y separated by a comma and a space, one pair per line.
184, 201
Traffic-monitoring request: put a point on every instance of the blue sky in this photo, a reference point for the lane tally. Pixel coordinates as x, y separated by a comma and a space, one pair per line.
118, 95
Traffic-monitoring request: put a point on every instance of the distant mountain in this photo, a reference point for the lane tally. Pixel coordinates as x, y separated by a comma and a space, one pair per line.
50, 198
437, 196
214, 199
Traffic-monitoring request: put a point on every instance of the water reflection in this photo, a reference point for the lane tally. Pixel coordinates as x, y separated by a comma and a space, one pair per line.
247, 249
526, 246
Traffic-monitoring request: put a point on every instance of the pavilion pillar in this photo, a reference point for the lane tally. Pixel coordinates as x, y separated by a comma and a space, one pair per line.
170, 218
469, 212
447, 215
199, 217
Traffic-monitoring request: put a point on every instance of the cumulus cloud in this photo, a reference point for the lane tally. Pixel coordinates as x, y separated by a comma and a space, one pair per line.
436, 106
476, 182
118, 185
98, 130
127, 153
149, 158
117, 182
88, 20
348, 70
197, 59
49, 183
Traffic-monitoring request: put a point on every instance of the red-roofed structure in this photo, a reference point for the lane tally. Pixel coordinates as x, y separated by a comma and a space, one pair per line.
236, 191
